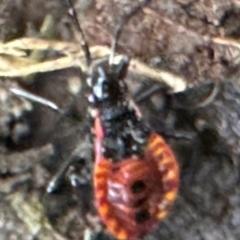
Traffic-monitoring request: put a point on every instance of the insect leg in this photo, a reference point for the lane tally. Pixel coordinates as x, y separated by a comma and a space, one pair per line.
96, 235
34, 98
144, 95
55, 182
82, 189
82, 153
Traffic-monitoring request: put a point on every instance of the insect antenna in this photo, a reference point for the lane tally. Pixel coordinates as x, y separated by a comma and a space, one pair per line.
82, 40
120, 26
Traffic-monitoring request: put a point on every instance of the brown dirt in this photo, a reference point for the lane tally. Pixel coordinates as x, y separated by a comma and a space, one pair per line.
197, 41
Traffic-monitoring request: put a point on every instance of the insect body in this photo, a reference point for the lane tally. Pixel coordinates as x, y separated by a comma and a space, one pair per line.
136, 175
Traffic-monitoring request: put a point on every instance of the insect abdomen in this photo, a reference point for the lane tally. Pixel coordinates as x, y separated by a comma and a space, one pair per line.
136, 193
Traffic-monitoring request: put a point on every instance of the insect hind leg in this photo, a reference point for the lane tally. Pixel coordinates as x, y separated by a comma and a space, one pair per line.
82, 190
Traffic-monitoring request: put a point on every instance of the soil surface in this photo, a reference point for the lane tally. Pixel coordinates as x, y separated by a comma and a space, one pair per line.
195, 41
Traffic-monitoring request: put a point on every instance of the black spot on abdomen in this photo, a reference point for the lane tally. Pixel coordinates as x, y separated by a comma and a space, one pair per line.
138, 187
142, 216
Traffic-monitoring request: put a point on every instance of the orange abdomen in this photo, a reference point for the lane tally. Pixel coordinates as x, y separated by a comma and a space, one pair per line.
133, 195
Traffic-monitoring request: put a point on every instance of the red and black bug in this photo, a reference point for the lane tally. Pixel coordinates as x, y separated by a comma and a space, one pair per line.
135, 173
135, 176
